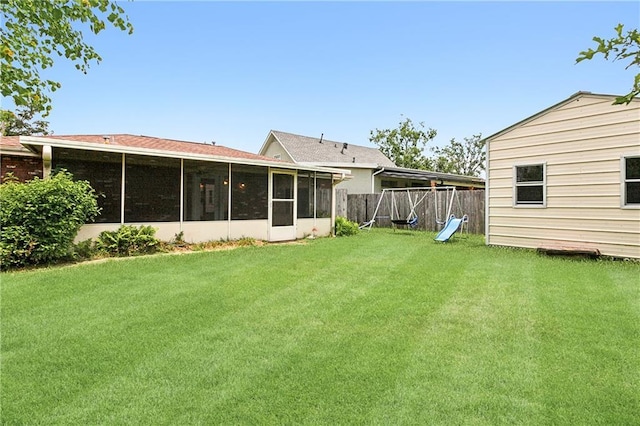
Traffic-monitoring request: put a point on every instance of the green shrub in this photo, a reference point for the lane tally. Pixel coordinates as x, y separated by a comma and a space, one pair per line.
84, 250
345, 227
39, 219
128, 240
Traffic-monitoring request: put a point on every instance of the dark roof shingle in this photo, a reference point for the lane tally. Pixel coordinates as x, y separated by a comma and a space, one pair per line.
305, 149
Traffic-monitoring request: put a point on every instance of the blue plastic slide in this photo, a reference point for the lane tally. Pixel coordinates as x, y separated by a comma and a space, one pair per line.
450, 228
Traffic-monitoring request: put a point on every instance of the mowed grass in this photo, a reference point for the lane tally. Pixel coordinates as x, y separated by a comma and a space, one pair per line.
381, 328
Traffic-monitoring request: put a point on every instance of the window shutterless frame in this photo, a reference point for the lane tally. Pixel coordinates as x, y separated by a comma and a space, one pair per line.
530, 185
630, 181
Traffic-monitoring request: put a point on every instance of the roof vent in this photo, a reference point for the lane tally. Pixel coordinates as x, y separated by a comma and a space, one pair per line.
344, 146
321, 136
354, 160
106, 139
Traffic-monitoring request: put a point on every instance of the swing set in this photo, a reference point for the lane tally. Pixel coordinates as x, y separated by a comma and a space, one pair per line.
398, 205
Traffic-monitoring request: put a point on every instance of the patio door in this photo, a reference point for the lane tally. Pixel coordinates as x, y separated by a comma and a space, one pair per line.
283, 206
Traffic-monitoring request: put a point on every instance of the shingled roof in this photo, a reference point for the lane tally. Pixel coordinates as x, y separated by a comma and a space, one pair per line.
146, 142
11, 144
305, 149
150, 142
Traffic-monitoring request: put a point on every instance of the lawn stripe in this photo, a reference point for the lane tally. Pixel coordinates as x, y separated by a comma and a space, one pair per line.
382, 328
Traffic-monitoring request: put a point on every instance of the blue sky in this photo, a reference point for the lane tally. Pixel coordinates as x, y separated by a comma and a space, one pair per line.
230, 72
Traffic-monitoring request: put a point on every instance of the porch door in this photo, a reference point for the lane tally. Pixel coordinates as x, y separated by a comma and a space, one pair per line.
283, 206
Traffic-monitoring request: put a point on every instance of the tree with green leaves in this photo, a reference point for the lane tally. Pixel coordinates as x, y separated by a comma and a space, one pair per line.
462, 158
405, 145
622, 47
22, 122
34, 31
39, 219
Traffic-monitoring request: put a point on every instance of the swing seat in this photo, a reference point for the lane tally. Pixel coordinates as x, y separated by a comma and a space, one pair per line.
403, 222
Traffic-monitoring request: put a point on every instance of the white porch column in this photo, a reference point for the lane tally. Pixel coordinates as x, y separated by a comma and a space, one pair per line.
47, 156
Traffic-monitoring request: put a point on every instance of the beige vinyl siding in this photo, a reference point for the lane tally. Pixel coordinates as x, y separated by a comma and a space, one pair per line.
563, 224
610, 249
360, 182
275, 150
581, 142
575, 145
594, 125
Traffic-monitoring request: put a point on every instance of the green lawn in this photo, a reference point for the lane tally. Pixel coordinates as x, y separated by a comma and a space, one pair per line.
381, 328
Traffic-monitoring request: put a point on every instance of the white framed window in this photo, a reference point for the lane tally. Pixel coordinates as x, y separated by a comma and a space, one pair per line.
530, 185
631, 181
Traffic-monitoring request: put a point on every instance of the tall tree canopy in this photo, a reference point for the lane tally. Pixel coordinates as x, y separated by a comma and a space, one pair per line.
22, 122
622, 47
34, 30
405, 145
462, 158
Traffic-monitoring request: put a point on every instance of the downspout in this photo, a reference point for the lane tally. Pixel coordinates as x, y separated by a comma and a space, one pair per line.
123, 175
181, 194
315, 199
46, 161
487, 185
315, 191
333, 207
269, 202
229, 200
373, 180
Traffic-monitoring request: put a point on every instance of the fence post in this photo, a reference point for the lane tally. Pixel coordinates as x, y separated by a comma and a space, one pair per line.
341, 202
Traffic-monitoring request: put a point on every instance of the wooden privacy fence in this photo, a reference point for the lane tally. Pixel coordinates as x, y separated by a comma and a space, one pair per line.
433, 208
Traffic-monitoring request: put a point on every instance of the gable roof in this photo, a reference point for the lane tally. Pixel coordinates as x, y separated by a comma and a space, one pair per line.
308, 150
305, 149
560, 104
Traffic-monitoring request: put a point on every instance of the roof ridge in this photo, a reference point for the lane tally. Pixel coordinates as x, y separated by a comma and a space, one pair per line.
304, 136
328, 141
552, 108
307, 149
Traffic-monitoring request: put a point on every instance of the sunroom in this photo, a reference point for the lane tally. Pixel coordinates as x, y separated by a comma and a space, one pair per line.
204, 192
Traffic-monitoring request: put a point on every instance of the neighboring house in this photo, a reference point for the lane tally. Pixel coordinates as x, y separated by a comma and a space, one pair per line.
371, 171
207, 192
568, 177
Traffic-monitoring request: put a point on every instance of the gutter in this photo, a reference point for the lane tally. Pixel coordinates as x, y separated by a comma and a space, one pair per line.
343, 177
373, 180
487, 219
123, 149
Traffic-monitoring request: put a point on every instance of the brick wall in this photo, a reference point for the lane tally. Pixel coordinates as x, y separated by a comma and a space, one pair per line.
24, 168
